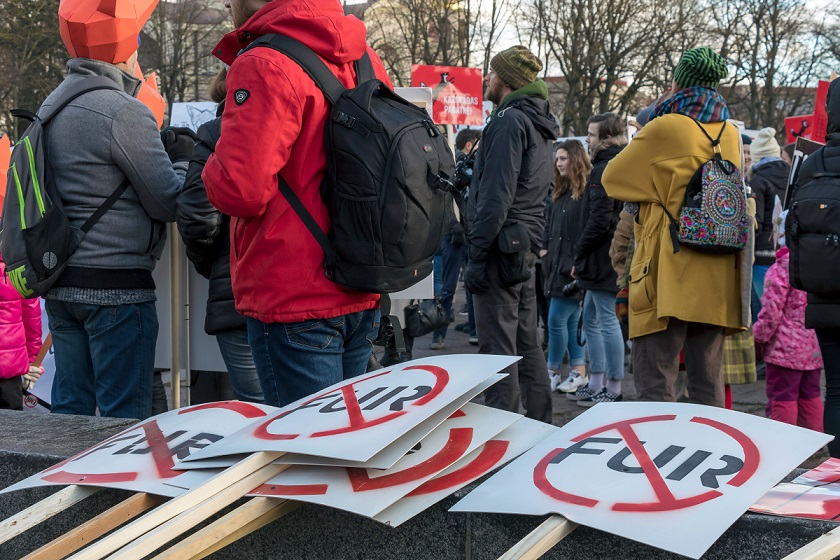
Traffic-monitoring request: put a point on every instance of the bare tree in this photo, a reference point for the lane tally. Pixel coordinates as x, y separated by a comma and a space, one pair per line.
177, 43
32, 57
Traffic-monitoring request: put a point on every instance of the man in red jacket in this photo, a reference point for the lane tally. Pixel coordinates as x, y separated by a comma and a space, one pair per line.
305, 331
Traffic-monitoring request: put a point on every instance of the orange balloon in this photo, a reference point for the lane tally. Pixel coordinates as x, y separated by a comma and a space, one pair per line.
150, 96
104, 30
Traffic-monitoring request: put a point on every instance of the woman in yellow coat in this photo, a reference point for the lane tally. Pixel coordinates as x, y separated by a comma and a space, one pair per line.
685, 298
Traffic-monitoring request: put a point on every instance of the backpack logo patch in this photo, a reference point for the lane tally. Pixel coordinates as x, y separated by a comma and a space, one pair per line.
240, 96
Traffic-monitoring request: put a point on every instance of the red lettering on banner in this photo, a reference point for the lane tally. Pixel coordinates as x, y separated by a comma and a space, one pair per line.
487, 459
457, 444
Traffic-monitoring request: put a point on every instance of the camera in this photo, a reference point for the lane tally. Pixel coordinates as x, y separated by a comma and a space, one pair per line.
571, 289
462, 177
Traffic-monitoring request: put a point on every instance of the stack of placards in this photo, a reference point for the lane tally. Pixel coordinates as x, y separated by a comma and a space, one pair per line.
385, 445
633, 468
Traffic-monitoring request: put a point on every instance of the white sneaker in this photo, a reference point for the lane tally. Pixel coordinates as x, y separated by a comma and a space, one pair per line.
575, 381
554, 379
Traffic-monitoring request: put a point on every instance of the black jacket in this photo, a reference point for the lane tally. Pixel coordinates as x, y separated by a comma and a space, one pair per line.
513, 173
823, 310
768, 182
562, 230
206, 233
593, 267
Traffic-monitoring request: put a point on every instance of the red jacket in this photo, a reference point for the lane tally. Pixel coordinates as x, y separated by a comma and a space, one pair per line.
277, 125
20, 329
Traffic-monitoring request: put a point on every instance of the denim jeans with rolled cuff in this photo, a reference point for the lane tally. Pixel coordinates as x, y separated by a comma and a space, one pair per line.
236, 352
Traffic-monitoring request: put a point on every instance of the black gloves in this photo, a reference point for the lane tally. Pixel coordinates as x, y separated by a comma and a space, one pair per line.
178, 143
475, 277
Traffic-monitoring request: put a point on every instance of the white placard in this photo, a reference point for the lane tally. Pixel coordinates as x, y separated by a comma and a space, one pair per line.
38, 399
141, 458
382, 460
633, 469
192, 115
506, 446
367, 492
356, 419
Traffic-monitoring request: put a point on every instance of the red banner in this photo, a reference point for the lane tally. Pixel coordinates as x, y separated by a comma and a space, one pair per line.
456, 92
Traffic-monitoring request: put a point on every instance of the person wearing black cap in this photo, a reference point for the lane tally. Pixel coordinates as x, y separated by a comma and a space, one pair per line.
512, 177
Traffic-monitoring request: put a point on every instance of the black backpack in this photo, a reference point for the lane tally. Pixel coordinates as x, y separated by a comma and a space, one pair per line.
387, 183
813, 232
36, 239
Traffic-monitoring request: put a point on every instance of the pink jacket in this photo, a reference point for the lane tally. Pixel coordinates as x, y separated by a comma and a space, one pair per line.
781, 322
20, 329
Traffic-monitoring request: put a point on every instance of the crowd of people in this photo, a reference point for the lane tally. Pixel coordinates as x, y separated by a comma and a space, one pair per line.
600, 217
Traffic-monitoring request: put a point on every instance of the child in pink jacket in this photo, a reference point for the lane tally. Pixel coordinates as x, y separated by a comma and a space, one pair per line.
791, 351
20, 340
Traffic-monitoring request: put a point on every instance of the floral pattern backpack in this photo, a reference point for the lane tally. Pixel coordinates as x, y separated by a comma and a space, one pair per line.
714, 217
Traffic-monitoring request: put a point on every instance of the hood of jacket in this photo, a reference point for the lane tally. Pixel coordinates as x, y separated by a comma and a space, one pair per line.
319, 24
536, 109
832, 107
607, 150
775, 172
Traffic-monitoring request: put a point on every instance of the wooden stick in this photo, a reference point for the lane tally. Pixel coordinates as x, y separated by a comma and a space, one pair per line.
45, 347
176, 526
179, 505
90, 531
43, 510
245, 519
540, 540
825, 547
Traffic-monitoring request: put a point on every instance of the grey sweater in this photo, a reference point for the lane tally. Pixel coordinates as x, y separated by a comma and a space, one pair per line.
94, 144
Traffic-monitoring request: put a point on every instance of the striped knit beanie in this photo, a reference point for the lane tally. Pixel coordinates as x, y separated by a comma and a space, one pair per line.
516, 66
700, 67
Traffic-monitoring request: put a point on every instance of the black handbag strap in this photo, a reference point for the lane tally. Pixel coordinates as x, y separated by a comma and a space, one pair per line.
715, 141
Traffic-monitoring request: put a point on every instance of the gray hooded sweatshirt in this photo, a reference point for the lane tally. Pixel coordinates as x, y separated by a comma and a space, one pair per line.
94, 144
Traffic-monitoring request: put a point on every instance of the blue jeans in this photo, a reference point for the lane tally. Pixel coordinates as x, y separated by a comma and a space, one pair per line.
437, 263
104, 357
759, 272
295, 360
236, 352
603, 334
453, 256
563, 317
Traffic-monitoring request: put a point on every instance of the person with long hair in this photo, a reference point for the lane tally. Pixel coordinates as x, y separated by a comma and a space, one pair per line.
563, 227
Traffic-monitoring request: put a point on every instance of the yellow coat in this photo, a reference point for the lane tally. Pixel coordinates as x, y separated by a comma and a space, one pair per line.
654, 169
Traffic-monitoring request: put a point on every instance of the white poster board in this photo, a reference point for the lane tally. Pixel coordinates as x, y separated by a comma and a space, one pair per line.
192, 115
141, 458
366, 491
357, 418
506, 446
38, 398
690, 468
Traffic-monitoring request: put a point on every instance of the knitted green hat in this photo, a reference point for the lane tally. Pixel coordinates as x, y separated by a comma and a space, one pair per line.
700, 67
516, 66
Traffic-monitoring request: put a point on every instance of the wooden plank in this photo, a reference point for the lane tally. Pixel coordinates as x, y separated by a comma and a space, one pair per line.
45, 347
43, 510
179, 505
176, 526
242, 521
540, 540
825, 547
103, 523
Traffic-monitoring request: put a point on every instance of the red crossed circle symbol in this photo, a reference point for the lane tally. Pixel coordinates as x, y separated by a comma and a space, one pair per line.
666, 500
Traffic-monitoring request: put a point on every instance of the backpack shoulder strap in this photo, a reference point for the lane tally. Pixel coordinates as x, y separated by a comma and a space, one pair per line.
364, 69
306, 59
105, 206
715, 141
79, 88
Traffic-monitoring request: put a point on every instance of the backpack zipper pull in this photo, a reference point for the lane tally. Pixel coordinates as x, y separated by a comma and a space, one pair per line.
431, 128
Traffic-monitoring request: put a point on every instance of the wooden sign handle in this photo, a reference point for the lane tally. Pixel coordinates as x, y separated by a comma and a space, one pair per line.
45, 347
43, 510
825, 547
540, 540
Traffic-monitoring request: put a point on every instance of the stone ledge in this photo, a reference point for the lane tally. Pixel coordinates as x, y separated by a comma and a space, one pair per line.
30, 443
